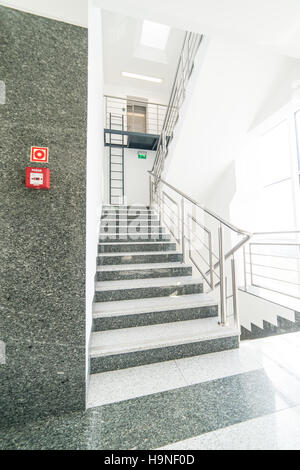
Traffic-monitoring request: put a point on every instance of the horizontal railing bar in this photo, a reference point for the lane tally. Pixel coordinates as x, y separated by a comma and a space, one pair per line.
193, 232
277, 291
207, 247
275, 256
273, 267
213, 270
198, 223
274, 244
134, 101
200, 271
199, 254
274, 279
276, 233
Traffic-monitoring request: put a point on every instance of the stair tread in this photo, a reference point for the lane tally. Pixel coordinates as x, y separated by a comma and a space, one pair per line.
129, 211
102, 286
141, 266
152, 217
154, 304
132, 234
141, 253
112, 342
162, 242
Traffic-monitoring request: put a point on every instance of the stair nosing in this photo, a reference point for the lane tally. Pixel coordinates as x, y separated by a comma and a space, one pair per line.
139, 267
95, 351
141, 253
129, 284
162, 242
123, 310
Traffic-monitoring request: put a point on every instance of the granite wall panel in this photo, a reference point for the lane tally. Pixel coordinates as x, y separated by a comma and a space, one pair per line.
42, 233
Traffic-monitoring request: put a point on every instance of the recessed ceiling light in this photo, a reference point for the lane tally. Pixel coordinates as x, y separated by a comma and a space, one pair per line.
155, 35
141, 77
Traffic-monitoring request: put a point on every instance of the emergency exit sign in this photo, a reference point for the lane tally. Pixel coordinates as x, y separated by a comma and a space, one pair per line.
142, 156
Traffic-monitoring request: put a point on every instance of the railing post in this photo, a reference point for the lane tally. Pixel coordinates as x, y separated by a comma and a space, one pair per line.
211, 267
183, 229
234, 294
251, 267
150, 191
222, 279
160, 206
245, 268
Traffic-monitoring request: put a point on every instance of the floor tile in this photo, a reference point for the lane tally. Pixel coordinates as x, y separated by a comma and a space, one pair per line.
277, 431
115, 386
221, 364
156, 420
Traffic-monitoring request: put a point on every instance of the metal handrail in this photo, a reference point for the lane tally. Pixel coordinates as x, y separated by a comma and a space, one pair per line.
207, 211
157, 194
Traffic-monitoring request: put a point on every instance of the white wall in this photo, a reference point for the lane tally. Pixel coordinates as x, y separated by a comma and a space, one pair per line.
136, 176
232, 88
95, 151
255, 310
69, 11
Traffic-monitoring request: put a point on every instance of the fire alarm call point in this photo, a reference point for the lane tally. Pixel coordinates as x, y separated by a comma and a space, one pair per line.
37, 178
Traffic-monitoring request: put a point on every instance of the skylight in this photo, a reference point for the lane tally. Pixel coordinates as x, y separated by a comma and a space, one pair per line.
141, 77
155, 35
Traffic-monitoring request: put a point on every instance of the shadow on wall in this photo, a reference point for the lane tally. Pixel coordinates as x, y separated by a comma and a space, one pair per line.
222, 192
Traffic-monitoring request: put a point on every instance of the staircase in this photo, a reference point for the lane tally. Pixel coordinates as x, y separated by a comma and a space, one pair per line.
148, 305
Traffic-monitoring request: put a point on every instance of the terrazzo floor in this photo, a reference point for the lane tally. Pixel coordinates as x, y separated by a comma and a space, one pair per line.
241, 399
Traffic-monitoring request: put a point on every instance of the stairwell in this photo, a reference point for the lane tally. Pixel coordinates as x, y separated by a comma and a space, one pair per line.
148, 305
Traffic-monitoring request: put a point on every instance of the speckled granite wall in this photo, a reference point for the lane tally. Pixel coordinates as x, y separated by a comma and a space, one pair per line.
42, 240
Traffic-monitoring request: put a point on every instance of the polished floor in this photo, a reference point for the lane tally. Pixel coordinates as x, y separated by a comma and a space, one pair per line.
241, 399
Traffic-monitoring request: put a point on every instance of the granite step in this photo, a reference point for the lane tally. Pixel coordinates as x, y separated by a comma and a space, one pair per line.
135, 258
128, 211
128, 247
131, 347
128, 216
142, 271
133, 237
129, 314
119, 207
133, 223
108, 291
131, 229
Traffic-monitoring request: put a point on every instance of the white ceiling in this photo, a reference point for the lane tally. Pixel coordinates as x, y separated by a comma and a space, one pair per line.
69, 11
123, 52
271, 23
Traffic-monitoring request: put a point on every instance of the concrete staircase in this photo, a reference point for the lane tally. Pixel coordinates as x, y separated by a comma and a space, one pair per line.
148, 306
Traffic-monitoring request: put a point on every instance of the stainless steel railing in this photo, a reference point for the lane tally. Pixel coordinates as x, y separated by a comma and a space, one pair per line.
185, 68
272, 262
204, 238
138, 116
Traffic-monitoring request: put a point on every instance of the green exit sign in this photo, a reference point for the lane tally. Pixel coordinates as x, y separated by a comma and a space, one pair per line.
143, 156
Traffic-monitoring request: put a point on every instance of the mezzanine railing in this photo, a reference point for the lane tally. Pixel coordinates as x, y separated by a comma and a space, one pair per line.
137, 115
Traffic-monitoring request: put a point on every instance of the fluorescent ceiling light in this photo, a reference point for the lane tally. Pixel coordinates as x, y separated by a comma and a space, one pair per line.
141, 77
155, 35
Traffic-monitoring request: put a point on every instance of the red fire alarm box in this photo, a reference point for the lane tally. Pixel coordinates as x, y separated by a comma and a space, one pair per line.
37, 178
